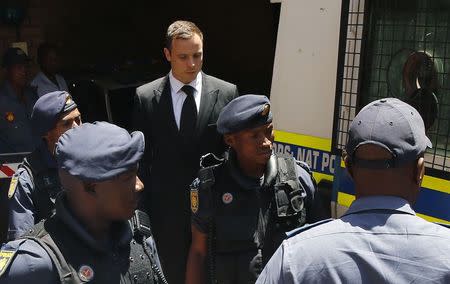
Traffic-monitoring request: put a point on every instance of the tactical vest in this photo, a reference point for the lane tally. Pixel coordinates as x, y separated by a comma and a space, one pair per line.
249, 224
46, 185
78, 263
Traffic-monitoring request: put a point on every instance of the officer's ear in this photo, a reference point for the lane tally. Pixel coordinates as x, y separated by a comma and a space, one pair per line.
419, 171
348, 163
167, 53
229, 139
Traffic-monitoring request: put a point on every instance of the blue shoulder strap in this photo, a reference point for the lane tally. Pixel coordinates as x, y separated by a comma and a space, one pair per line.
306, 227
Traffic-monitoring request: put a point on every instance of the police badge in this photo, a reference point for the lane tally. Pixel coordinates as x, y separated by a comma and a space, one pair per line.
194, 195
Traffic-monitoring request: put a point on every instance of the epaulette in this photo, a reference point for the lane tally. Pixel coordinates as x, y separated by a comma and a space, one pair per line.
13, 185
306, 227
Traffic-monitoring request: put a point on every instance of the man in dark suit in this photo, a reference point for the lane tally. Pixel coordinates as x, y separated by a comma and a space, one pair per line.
178, 114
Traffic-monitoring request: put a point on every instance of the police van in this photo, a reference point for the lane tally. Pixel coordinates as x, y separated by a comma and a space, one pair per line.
334, 57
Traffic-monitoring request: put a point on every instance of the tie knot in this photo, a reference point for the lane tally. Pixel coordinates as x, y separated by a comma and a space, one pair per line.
188, 89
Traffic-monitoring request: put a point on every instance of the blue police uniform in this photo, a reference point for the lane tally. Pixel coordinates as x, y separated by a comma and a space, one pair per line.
36, 183
24, 210
15, 127
379, 240
60, 249
246, 218
31, 263
44, 85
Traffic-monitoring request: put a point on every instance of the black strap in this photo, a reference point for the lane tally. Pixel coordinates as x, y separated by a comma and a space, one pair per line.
188, 118
39, 195
40, 236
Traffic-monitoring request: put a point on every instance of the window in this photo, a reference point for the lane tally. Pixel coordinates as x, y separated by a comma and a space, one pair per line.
398, 48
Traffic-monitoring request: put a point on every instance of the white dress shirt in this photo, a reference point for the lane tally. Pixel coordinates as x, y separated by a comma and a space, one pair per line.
178, 96
44, 85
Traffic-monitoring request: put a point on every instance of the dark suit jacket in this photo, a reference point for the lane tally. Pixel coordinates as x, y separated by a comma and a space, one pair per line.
169, 166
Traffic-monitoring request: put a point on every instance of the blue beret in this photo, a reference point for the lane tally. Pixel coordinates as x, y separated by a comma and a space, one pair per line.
99, 151
244, 112
47, 111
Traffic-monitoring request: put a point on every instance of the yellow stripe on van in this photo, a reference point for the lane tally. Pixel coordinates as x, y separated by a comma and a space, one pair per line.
320, 176
437, 184
324, 144
303, 140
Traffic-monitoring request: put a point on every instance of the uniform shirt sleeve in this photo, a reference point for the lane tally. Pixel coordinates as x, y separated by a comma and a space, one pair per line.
314, 207
21, 207
31, 264
200, 217
275, 271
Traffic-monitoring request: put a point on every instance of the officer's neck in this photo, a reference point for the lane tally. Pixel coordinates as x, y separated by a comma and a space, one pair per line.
51, 76
99, 228
250, 168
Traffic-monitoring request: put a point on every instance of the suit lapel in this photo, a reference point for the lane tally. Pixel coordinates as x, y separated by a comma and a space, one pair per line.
163, 98
207, 103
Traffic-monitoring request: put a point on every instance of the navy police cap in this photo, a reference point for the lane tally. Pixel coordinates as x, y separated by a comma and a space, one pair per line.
99, 151
393, 125
14, 55
48, 110
244, 112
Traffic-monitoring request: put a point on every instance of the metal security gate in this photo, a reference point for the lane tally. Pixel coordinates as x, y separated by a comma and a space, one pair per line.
397, 48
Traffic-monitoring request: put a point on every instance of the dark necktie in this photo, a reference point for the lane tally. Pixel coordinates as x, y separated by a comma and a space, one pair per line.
188, 118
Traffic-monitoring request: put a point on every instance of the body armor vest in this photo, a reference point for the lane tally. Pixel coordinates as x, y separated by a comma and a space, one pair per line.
78, 263
248, 224
46, 185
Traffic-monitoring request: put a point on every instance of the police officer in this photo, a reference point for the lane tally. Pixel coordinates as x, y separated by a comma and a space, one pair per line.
379, 239
48, 80
89, 238
16, 103
33, 188
242, 207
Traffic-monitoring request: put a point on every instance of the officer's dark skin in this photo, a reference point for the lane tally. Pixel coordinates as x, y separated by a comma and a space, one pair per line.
253, 148
404, 181
50, 64
98, 205
16, 75
67, 121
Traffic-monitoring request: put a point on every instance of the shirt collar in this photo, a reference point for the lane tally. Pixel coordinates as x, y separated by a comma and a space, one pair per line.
176, 84
380, 202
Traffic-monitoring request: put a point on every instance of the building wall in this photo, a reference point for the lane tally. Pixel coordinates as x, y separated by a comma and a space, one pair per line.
240, 36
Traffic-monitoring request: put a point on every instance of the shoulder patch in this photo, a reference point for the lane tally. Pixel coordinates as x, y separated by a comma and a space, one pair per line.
194, 195
13, 186
297, 231
6, 256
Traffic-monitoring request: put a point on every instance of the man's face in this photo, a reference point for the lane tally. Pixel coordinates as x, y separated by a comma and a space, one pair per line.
186, 58
118, 198
252, 144
17, 74
50, 62
66, 122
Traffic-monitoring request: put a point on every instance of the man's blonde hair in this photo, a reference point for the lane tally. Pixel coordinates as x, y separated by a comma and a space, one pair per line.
181, 30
